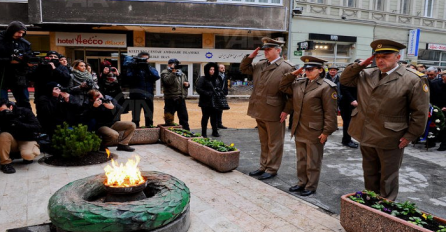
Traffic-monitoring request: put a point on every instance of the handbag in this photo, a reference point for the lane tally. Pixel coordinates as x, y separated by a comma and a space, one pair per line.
218, 99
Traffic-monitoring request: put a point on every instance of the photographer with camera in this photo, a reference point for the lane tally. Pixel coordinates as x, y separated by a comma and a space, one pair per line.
54, 107
175, 86
14, 54
49, 70
81, 82
142, 78
18, 130
105, 112
106, 68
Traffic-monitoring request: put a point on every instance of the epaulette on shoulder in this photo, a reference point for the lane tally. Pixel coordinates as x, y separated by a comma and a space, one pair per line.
330, 83
418, 73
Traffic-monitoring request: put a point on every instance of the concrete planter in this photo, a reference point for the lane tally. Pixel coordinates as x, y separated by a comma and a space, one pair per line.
164, 128
142, 136
356, 217
220, 161
177, 141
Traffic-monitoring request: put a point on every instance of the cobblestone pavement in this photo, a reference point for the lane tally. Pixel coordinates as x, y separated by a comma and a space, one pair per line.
422, 174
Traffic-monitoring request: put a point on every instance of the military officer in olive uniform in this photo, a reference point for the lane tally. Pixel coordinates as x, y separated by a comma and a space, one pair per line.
393, 103
267, 104
315, 118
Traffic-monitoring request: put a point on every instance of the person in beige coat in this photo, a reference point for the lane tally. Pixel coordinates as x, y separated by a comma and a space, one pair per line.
268, 105
393, 103
314, 119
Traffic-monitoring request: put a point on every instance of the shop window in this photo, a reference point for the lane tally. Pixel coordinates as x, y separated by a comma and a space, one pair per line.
263, 2
432, 58
317, 1
338, 54
350, 3
405, 6
167, 40
237, 42
428, 8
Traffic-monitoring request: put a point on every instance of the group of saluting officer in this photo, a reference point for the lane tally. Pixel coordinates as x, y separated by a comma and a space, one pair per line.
392, 111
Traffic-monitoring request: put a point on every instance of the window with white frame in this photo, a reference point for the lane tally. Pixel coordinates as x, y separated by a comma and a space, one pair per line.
428, 8
350, 3
379, 5
263, 2
405, 7
317, 1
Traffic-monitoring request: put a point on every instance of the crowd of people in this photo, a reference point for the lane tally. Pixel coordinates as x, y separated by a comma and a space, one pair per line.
383, 108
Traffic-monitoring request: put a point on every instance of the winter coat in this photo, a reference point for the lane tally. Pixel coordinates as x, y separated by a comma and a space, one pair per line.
173, 86
13, 74
21, 124
103, 116
142, 81
206, 84
388, 109
267, 102
315, 107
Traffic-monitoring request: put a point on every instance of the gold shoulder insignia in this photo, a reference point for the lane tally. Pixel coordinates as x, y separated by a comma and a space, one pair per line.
420, 74
330, 83
334, 95
425, 88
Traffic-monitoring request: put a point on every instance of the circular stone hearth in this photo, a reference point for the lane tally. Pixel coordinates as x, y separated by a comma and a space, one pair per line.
79, 206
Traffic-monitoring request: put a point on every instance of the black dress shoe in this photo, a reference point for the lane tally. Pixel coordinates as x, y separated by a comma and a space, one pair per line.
125, 148
257, 172
266, 175
441, 148
351, 144
296, 188
305, 193
215, 134
27, 161
221, 127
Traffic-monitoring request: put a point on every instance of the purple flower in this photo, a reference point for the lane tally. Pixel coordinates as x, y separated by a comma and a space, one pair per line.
387, 210
359, 194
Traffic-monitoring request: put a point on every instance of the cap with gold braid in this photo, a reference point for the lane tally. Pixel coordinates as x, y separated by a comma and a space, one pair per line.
311, 61
386, 46
271, 43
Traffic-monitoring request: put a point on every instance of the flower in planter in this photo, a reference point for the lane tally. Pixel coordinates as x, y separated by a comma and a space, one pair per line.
215, 144
406, 210
184, 132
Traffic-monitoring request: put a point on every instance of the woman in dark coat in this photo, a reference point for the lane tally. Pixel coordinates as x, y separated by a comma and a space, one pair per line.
205, 88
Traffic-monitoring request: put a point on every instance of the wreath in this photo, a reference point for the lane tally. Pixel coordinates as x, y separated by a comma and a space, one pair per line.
435, 122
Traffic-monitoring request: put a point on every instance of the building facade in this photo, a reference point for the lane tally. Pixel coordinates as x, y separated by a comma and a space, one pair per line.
194, 31
342, 30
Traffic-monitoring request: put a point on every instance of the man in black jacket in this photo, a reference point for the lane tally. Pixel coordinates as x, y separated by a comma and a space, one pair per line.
438, 98
105, 111
224, 87
14, 54
18, 129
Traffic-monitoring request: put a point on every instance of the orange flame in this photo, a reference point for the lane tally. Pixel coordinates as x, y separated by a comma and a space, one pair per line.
108, 152
123, 176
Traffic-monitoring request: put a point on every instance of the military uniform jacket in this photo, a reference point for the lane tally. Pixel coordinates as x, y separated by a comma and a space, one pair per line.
388, 109
266, 101
315, 107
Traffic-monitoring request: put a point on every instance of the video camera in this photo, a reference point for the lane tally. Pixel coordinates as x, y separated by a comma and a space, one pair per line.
47, 60
140, 60
177, 66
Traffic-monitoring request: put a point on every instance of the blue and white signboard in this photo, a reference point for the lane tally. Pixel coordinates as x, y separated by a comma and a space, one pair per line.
414, 39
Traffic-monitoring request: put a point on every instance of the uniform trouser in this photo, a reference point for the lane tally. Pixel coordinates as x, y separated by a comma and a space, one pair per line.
381, 170
147, 106
219, 117
208, 112
20, 94
309, 163
271, 136
111, 134
28, 149
346, 114
178, 105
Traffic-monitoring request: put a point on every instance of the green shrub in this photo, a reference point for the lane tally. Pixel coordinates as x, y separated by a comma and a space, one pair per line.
74, 142
215, 144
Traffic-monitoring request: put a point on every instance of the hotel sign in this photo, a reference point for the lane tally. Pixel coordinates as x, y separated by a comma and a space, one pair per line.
91, 40
194, 54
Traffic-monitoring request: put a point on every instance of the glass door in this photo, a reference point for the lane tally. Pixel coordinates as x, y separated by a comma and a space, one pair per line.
187, 68
95, 62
